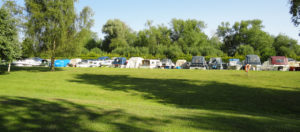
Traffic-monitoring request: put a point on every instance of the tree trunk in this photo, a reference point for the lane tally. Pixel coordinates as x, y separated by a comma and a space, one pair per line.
8, 69
53, 57
52, 63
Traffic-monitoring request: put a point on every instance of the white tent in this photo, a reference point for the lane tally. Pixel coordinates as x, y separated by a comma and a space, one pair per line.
181, 63
134, 62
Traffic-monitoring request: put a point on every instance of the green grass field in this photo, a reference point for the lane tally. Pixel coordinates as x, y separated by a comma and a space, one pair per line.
107, 99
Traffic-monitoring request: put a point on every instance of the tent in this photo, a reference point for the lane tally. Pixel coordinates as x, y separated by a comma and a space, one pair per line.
180, 64
134, 62
61, 63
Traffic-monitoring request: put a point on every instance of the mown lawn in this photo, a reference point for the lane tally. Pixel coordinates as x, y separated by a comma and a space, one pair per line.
107, 99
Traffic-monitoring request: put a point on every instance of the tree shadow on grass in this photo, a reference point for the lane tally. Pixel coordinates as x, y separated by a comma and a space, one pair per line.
20, 114
3, 69
208, 95
229, 123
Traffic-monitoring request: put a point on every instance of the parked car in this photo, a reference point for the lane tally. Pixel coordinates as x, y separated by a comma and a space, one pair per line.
215, 63
234, 64
85, 63
167, 64
151, 63
107, 63
276, 63
96, 63
119, 62
198, 62
253, 61
74, 62
34, 61
181, 64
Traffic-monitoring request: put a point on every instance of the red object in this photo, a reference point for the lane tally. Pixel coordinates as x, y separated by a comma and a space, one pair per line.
247, 68
279, 60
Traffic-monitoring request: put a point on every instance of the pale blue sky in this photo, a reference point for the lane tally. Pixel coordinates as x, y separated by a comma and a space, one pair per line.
135, 13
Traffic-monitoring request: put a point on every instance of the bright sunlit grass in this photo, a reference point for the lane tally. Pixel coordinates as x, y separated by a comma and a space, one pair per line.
107, 99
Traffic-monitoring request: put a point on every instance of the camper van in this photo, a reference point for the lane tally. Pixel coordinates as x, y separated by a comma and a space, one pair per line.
276, 63
119, 62
215, 63
134, 62
167, 64
198, 62
253, 61
234, 64
151, 64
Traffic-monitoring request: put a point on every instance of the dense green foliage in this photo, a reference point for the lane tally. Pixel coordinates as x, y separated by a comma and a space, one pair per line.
51, 27
10, 47
185, 38
295, 11
121, 100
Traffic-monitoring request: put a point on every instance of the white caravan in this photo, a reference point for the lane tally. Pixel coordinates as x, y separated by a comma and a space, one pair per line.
151, 64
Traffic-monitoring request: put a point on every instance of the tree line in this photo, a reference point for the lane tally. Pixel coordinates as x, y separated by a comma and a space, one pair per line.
52, 29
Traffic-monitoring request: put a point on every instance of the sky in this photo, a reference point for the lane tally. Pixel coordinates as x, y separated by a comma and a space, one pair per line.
274, 13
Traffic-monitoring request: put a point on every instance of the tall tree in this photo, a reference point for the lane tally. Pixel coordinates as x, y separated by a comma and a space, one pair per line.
85, 37
51, 24
10, 48
246, 33
286, 46
295, 11
117, 35
189, 35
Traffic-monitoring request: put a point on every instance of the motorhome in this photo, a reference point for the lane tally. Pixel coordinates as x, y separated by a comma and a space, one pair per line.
215, 63
253, 61
276, 63
198, 62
